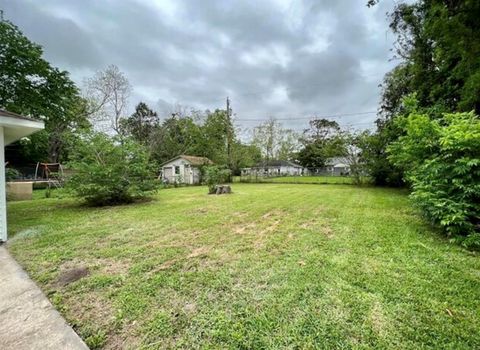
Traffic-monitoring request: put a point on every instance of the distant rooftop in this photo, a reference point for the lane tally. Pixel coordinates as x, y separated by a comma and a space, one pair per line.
336, 160
276, 163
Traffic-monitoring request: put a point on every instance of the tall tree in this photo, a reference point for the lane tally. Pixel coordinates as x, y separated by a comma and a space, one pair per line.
275, 141
108, 92
217, 131
319, 142
266, 137
29, 85
141, 124
437, 42
289, 145
175, 136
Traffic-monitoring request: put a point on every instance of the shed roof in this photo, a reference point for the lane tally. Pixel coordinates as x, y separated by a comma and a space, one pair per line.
193, 160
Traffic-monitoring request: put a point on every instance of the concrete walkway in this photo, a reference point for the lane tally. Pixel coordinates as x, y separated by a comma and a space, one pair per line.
27, 319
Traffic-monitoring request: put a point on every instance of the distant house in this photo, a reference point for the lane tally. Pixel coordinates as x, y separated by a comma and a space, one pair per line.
183, 169
274, 168
337, 166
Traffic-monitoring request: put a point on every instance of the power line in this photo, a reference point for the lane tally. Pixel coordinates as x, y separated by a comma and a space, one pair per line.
314, 116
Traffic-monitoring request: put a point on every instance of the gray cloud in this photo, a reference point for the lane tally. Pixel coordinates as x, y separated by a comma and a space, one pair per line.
273, 58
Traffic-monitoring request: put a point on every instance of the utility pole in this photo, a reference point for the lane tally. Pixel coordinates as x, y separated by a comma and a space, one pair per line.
229, 135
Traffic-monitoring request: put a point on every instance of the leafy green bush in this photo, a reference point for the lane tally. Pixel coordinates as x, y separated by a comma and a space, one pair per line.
442, 162
214, 175
12, 174
110, 171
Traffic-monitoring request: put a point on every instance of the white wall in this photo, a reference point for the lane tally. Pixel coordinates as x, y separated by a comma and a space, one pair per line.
272, 171
290, 170
3, 201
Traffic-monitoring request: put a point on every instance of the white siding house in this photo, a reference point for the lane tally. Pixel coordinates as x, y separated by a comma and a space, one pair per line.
274, 168
337, 166
183, 169
12, 128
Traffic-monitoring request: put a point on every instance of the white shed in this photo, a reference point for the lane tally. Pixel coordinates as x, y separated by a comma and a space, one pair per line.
12, 128
183, 169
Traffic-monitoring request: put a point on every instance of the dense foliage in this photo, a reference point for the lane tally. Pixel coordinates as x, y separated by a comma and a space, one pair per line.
110, 171
374, 156
29, 85
441, 158
215, 175
438, 45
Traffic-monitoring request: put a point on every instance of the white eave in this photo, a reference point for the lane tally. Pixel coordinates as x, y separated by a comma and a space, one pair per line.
16, 126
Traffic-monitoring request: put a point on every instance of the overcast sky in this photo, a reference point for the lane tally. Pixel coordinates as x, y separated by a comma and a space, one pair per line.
286, 59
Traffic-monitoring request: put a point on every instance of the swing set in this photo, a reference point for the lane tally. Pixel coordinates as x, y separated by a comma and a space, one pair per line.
52, 173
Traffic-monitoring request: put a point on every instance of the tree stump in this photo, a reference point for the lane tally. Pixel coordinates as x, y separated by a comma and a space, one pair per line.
222, 189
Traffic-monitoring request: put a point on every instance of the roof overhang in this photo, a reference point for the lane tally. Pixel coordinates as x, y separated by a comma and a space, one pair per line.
15, 128
173, 159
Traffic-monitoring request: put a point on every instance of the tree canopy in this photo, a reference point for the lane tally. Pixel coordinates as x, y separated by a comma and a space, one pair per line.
29, 85
438, 47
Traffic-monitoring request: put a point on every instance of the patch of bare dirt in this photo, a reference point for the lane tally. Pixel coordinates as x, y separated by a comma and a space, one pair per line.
244, 228
70, 275
198, 252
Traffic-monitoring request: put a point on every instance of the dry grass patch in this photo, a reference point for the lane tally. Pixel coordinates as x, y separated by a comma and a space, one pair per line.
199, 252
111, 266
378, 320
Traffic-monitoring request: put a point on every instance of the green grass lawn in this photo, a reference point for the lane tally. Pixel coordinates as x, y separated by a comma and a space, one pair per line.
267, 267
338, 180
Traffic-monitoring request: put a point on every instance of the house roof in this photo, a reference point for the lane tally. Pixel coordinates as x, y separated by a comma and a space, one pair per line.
276, 163
337, 161
16, 126
5, 113
193, 160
